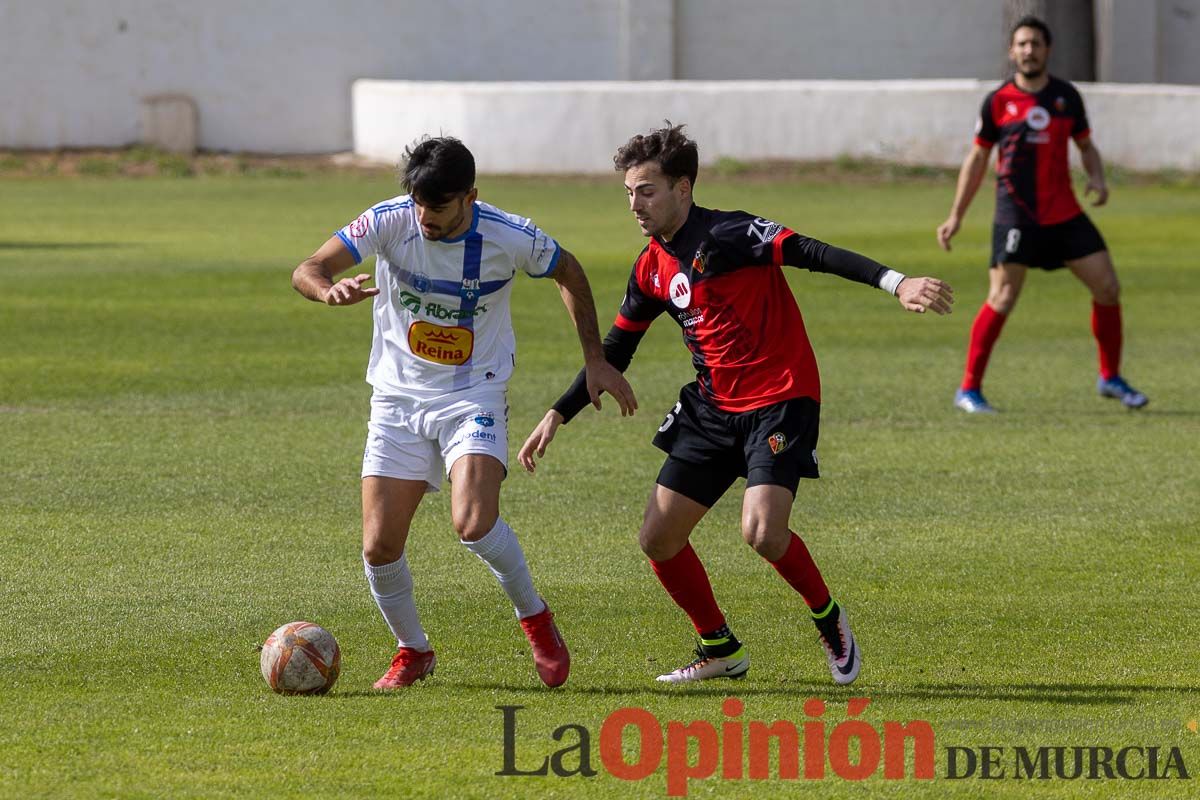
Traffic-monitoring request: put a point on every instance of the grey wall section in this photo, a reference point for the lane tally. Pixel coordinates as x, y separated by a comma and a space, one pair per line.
1148, 41
807, 39
268, 75
275, 75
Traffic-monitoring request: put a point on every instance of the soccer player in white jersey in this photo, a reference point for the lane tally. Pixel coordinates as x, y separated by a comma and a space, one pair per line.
442, 352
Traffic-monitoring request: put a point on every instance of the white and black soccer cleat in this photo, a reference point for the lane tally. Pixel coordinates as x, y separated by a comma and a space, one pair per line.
841, 649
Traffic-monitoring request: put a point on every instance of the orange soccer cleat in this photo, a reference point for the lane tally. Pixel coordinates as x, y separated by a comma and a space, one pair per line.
408, 667
550, 654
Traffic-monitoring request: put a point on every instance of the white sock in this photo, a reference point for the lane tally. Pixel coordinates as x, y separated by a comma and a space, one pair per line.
392, 588
501, 551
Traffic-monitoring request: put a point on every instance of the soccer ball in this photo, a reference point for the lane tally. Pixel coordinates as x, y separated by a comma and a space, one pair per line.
300, 658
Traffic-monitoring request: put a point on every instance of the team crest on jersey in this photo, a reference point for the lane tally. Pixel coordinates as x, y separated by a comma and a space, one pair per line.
440, 344
1037, 118
1060, 104
360, 226
778, 442
470, 289
680, 290
700, 261
485, 420
421, 282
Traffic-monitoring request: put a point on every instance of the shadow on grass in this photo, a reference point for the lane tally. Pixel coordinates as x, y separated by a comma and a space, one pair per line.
61, 245
1069, 694
1097, 694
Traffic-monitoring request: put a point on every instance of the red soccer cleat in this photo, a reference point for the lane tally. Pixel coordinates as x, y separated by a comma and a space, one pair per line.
408, 667
550, 654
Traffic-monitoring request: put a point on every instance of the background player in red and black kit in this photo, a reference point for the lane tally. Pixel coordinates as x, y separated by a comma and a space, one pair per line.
1038, 221
753, 410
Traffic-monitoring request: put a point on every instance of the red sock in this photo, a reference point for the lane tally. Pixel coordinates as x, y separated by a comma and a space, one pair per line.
684, 578
1106, 327
984, 333
798, 568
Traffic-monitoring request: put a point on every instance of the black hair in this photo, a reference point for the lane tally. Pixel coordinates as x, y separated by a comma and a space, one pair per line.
1030, 21
674, 153
437, 169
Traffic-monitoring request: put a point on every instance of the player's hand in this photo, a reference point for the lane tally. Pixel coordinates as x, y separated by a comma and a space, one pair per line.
604, 377
349, 291
539, 440
925, 294
1099, 189
946, 231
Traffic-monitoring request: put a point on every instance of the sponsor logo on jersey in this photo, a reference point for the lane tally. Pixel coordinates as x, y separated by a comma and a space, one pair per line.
440, 344
689, 318
764, 230
1010, 108
657, 282
486, 420
438, 311
1037, 118
479, 436
778, 442
360, 226
680, 290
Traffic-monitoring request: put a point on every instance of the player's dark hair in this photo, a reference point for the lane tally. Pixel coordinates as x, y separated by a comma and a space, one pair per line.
436, 169
1030, 21
675, 154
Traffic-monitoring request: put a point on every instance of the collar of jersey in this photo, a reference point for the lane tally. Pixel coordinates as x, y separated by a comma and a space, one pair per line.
680, 234
468, 231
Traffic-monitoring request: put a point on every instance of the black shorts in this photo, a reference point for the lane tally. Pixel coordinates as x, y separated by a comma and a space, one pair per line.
1046, 246
708, 448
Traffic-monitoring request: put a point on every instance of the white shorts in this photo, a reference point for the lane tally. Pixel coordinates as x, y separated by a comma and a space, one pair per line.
420, 439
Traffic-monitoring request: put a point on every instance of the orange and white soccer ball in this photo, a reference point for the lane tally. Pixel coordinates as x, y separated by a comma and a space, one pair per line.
300, 658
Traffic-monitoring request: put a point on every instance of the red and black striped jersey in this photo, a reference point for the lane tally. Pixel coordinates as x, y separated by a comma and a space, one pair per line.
720, 279
1033, 179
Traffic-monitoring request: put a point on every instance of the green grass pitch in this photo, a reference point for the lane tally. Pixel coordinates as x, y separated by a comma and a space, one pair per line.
180, 439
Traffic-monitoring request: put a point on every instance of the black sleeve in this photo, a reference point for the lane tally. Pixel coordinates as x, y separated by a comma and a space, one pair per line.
619, 347
817, 256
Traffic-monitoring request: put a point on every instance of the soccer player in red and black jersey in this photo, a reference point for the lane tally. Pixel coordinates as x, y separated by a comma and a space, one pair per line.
1038, 221
753, 410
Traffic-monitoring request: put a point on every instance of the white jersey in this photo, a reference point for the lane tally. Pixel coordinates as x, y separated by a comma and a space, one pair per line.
442, 321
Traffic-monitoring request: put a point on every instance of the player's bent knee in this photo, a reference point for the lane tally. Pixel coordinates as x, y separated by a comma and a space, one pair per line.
379, 553
658, 547
473, 525
1108, 294
765, 541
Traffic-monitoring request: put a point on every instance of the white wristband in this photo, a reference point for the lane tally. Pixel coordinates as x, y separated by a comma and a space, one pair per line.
890, 281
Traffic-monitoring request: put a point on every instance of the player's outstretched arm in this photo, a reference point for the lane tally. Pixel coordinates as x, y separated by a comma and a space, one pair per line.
314, 277
539, 440
969, 178
925, 294
577, 297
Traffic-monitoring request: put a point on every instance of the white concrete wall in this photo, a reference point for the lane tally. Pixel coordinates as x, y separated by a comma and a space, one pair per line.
275, 75
576, 127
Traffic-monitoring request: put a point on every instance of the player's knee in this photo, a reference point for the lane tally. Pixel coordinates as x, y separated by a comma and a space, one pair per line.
472, 524
760, 536
1108, 293
379, 552
1003, 300
655, 545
